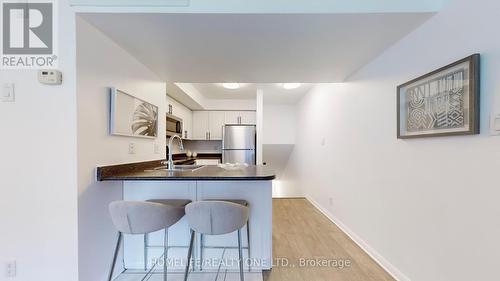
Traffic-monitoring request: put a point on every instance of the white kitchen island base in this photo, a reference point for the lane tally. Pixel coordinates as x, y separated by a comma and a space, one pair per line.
257, 193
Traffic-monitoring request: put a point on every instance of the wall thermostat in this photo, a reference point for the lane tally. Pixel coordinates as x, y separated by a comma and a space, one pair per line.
50, 77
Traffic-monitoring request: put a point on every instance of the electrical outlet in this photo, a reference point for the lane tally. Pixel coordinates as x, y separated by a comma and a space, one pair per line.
11, 269
131, 148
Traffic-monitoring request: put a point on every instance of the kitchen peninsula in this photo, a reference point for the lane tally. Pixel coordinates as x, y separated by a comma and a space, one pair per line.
141, 181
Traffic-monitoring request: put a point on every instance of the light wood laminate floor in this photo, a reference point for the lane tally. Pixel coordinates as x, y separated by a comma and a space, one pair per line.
301, 231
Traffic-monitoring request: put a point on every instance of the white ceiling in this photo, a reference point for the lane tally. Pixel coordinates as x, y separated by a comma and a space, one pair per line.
273, 92
259, 6
261, 48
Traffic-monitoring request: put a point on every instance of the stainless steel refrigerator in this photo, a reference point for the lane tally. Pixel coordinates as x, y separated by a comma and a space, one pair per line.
238, 144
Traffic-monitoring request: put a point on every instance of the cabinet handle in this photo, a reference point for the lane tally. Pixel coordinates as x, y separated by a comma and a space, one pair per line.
209, 135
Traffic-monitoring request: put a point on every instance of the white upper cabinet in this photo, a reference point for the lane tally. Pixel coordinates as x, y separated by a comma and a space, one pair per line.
216, 122
181, 111
240, 117
207, 125
232, 117
200, 125
248, 117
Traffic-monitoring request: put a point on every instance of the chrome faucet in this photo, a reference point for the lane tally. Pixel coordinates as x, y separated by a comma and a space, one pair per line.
170, 162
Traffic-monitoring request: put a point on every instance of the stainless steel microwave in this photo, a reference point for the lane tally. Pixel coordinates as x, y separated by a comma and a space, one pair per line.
174, 125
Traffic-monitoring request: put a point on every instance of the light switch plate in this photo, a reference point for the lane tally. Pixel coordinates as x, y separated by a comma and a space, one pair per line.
8, 93
495, 125
11, 269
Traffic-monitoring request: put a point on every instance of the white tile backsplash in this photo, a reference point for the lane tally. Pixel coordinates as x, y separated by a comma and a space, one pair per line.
200, 146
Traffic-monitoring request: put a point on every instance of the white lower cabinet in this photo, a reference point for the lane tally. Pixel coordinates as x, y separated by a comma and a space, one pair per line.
257, 193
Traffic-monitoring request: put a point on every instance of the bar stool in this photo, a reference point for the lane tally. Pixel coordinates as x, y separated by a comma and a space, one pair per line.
216, 218
177, 203
139, 217
239, 202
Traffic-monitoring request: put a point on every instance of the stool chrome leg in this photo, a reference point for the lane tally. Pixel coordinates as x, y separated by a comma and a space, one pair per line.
201, 251
240, 252
165, 254
146, 252
248, 244
190, 252
117, 249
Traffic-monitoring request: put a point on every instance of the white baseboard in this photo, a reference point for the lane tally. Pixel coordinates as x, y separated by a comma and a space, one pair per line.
386, 265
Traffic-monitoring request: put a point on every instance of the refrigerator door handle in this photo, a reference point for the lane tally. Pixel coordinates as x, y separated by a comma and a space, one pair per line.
223, 137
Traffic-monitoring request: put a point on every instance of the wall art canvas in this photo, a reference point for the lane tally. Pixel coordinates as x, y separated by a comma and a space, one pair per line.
131, 116
442, 103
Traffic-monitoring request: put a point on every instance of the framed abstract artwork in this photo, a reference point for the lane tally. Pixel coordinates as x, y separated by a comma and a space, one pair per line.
444, 102
131, 116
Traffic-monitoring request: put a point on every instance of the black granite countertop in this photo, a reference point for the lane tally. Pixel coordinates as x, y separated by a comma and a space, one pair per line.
142, 172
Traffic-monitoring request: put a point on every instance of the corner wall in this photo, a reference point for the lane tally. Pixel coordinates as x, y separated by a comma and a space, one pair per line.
427, 208
38, 169
102, 64
280, 126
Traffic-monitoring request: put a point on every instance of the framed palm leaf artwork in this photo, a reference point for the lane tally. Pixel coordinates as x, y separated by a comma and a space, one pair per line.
444, 102
131, 116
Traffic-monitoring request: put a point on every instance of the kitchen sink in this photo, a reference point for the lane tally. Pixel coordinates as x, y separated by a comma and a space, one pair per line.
187, 168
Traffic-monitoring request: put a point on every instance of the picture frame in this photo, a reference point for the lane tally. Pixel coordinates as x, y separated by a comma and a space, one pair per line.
444, 102
131, 116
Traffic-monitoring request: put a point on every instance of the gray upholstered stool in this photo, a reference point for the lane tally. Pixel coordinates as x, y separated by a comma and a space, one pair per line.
176, 203
138, 217
202, 244
216, 218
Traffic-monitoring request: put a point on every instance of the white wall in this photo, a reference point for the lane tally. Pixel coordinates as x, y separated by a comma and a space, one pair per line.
38, 169
279, 124
426, 208
278, 143
102, 64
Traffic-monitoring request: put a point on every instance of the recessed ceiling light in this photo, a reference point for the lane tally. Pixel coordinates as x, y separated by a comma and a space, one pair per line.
291, 86
231, 86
